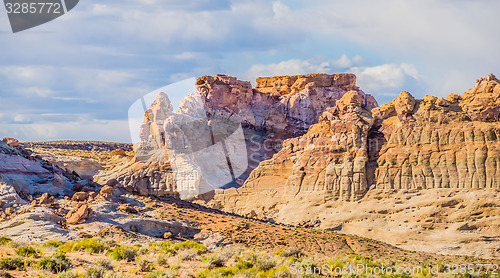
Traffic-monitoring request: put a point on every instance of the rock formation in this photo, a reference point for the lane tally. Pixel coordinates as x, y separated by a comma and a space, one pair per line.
78, 215
30, 174
441, 143
245, 126
447, 145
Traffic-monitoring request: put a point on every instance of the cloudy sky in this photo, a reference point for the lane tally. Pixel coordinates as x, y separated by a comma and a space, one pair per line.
75, 77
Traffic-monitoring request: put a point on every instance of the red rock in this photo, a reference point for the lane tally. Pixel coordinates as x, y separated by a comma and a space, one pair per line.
80, 196
78, 215
46, 199
12, 142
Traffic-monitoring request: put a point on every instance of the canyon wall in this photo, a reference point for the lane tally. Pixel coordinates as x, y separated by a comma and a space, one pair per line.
407, 144
422, 174
277, 109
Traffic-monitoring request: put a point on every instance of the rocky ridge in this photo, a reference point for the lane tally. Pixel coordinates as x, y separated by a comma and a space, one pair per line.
285, 108
408, 145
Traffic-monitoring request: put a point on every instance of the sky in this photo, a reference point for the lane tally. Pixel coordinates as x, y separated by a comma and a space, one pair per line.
76, 77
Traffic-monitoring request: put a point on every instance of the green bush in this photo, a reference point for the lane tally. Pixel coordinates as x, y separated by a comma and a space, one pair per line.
4, 241
162, 274
143, 263
162, 247
67, 274
55, 263
99, 269
12, 264
52, 243
190, 244
90, 245
123, 253
243, 264
215, 261
290, 252
218, 272
27, 251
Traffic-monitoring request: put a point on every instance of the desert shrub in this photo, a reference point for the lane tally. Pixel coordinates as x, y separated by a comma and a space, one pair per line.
162, 274
5, 241
99, 270
95, 272
246, 260
265, 262
55, 263
162, 247
27, 251
190, 244
12, 264
143, 263
215, 261
67, 274
290, 252
251, 259
90, 245
188, 254
123, 253
112, 274
243, 264
217, 272
52, 243
160, 259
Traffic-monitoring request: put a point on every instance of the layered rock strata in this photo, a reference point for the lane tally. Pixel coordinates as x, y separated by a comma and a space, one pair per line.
431, 163
29, 174
245, 125
441, 143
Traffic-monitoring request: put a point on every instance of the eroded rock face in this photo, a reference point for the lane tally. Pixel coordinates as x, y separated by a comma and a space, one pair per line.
284, 104
170, 161
30, 174
482, 103
441, 143
432, 147
328, 163
84, 167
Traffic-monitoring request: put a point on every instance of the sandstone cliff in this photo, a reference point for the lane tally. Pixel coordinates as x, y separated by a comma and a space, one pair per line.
222, 108
441, 143
408, 146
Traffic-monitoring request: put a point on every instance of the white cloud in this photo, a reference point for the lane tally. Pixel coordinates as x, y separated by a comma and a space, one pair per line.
384, 79
280, 10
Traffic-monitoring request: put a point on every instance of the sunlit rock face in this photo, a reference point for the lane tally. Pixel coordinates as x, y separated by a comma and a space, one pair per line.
26, 174
405, 172
441, 143
221, 132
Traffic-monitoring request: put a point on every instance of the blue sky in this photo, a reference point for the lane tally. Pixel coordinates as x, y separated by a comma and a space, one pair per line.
75, 77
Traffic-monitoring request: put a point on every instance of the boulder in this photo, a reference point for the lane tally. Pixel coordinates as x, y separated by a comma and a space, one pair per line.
80, 196
126, 208
78, 215
106, 191
46, 199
